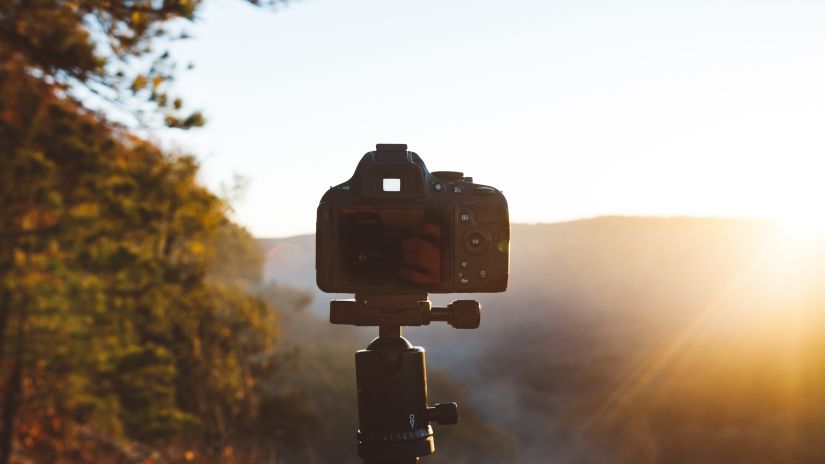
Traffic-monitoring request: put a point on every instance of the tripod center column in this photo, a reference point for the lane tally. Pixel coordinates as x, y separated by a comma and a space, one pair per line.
392, 399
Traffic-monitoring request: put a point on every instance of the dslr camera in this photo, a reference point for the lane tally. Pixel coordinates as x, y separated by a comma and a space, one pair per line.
395, 228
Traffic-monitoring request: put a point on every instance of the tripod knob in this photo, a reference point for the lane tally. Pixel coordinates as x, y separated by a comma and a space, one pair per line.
444, 413
464, 314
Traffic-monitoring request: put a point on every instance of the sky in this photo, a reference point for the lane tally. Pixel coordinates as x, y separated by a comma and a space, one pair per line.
573, 109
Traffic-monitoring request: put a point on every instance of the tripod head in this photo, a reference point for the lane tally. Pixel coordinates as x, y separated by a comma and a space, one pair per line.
391, 375
403, 310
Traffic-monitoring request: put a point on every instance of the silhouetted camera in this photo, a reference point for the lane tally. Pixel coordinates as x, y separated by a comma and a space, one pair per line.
396, 228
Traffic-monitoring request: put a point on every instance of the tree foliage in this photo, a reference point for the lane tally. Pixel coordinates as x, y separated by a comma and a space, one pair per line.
103, 52
112, 54
126, 311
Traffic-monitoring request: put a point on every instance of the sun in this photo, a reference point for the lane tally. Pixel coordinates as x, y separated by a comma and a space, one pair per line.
803, 227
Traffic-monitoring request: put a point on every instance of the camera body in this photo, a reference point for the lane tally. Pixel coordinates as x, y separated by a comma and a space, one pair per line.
396, 228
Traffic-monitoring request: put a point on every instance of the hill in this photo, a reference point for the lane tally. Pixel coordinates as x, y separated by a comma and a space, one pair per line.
627, 339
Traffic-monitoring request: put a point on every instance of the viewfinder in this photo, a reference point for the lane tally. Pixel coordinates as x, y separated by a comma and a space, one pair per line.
392, 184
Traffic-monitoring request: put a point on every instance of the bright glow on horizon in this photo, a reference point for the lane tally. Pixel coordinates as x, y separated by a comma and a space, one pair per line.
803, 227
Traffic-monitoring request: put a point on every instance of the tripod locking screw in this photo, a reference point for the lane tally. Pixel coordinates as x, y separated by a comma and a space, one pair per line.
464, 314
443, 413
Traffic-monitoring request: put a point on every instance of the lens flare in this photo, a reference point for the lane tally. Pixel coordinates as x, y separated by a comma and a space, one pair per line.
803, 227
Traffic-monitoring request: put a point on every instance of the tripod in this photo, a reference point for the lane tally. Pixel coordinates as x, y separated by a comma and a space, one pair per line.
391, 374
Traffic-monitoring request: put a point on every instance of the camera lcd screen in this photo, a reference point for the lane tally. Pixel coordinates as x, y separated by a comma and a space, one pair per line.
393, 246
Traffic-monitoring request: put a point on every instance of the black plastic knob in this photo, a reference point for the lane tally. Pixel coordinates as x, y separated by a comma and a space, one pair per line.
444, 413
464, 314
391, 147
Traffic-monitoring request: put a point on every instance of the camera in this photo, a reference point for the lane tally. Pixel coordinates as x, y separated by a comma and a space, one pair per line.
396, 228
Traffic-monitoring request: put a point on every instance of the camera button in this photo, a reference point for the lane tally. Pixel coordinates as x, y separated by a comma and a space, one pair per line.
464, 281
438, 187
465, 265
457, 189
465, 217
476, 241
482, 273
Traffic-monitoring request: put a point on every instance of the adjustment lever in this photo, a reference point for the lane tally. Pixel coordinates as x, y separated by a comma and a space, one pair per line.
443, 413
461, 314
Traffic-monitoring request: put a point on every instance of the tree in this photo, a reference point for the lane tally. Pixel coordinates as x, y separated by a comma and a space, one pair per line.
101, 51
112, 54
117, 320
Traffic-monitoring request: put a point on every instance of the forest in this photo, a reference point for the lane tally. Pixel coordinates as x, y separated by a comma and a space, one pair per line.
133, 326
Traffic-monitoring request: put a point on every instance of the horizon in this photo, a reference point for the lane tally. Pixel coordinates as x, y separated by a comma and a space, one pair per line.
767, 221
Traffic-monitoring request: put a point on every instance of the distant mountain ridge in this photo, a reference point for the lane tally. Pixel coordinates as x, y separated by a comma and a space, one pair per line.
545, 254
635, 339
290, 260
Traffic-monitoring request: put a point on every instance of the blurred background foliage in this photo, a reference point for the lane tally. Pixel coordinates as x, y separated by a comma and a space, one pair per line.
127, 302
131, 325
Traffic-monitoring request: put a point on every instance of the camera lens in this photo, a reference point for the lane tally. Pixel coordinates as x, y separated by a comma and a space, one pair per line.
476, 241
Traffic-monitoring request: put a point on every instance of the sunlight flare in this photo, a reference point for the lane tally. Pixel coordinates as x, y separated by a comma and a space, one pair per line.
803, 226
